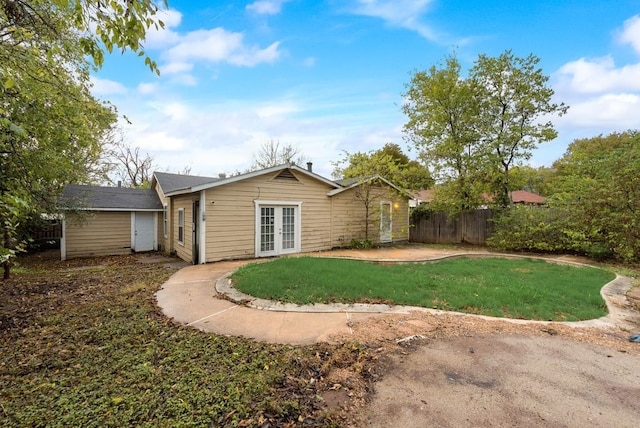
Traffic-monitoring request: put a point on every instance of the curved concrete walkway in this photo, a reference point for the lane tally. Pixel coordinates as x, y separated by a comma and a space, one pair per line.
200, 296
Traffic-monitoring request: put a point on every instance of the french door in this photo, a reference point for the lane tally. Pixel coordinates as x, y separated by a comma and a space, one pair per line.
278, 230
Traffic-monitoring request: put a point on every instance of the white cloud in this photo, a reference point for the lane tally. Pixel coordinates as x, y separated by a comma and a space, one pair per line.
176, 67
630, 33
266, 7
221, 135
603, 96
611, 112
102, 87
163, 37
598, 75
147, 88
220, 45
399, 13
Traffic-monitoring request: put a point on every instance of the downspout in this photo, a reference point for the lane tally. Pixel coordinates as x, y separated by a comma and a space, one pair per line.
202, 248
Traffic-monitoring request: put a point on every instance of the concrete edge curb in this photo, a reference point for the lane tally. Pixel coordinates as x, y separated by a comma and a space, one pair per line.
614, 289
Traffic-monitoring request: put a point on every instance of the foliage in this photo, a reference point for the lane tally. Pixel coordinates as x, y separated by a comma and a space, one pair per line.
88, 348
388, 162
421, 211
41, 28
541, 229
515, 288
598, 185
536, 180
50, 124
473, 130
272, 154
360, 244
441, 108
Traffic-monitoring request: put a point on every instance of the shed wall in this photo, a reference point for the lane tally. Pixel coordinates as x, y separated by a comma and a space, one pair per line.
100, 233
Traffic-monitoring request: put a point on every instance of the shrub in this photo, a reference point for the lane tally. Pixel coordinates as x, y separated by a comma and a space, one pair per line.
541, 229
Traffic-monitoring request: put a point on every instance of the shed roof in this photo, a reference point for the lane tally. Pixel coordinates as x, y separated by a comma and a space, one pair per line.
77, 196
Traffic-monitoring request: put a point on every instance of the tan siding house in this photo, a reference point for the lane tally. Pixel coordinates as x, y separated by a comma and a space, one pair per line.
280, 210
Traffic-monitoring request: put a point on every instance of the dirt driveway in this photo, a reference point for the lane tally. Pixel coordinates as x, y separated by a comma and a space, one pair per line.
458, 371
510, 380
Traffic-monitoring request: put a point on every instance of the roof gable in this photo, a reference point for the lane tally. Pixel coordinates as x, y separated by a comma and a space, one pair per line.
76, 196
350, 183
228, 180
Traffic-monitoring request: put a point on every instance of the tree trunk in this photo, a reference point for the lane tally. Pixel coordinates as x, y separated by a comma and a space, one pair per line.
6, 266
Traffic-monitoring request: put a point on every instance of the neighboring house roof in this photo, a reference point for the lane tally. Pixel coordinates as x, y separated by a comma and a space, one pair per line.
517, 197
98, 198
426, 195
524, 197
172, 182
215, 182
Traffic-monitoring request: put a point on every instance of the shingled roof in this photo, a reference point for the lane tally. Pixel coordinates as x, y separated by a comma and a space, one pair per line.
76, 196
171, 182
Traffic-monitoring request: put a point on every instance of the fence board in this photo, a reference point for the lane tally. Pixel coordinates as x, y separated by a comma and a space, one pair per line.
472, 227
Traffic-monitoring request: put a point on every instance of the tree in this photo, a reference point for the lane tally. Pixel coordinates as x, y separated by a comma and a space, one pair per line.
44, 26
124, 164
50, 125
514, 98
272, 154
389, 162
537, 180
472, 130
598, 185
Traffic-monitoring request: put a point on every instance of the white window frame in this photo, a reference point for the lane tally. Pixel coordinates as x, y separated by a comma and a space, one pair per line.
181, 225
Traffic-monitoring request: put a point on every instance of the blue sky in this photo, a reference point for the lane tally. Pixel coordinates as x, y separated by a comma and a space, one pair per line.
328, 76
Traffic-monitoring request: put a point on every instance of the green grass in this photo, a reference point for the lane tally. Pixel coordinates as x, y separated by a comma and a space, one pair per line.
501, 287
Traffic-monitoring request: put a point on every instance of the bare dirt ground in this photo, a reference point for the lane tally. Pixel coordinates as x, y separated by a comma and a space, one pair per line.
451, 371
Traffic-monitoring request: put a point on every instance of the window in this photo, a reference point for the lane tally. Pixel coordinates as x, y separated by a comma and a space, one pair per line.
165, 221
181, 226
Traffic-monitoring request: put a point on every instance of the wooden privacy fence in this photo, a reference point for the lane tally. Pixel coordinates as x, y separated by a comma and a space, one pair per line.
472, 227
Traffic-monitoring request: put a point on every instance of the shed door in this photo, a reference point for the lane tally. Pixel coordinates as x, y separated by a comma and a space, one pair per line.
144, 232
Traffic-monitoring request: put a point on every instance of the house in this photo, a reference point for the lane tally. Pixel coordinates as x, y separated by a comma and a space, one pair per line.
280, 210
103, 221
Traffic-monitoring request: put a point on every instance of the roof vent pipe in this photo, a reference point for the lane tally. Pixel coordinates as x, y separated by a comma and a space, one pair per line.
119, 183
310, 166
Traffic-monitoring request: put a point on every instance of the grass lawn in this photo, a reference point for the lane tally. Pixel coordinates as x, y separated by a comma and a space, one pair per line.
501, 287
83, 344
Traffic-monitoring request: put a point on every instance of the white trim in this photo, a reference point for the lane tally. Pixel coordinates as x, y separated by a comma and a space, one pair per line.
298, 226
178, 227
203, 226
117, 209
133, 231
63, 240
155, 231
165, 220
366, 180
